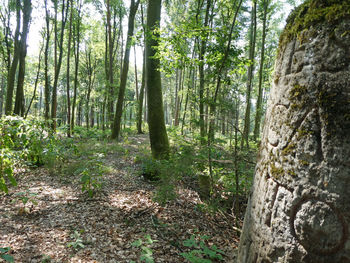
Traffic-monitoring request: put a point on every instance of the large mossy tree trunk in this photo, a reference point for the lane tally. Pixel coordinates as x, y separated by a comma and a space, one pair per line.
156, 123
299, 206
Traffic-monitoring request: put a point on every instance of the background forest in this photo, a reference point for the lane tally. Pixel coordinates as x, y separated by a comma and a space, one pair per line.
82, 80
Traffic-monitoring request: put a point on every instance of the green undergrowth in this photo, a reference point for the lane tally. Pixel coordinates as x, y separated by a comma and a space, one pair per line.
23, 143
189, 165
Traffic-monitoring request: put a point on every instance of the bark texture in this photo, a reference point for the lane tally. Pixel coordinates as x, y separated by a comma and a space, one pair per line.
157, 130
299, 206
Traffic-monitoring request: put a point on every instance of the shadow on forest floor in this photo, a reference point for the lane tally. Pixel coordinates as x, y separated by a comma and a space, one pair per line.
108, 223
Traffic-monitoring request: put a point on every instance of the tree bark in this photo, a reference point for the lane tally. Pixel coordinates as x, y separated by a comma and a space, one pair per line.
69, 129
140, 102
12, 73
124, 75
19, 101
252, 40
36, 83
76, 66
64, 12
157, 129
46, 64
202, 51
259, 109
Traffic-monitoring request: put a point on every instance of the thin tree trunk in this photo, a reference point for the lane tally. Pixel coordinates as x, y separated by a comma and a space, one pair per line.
259, 109
140, 102
58, 63
76, 69
46, 63
19, 101
202, 51
12, 73
123, 77
110, 63
69, 129
36, 82
218, 83
252, 41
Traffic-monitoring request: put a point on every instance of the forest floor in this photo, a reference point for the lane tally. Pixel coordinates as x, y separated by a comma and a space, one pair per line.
121, 223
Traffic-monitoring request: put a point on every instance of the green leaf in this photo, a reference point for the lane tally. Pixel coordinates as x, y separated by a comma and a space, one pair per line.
4, 249
85, 178
190, 242
137, 243
149, 239
24, 199
147, 250
147, 258
7, 258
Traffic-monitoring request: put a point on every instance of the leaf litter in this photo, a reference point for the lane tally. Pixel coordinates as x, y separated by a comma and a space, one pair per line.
109, 223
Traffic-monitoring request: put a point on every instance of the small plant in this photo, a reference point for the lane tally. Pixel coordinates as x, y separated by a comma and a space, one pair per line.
4, 254
200, 252
26, 197
146, 252
91, 177
77, 242
46, 259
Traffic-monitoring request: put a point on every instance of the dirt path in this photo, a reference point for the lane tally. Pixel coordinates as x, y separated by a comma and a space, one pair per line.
109, 222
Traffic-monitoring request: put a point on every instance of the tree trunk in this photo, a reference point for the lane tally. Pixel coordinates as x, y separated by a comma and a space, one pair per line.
19, 101
140, 102
12, 73
46, 67
125, 70
298, 211
202, 51
143, 80
64, 12
36, 83
69, 128
157, 129
259, 109
252, 40
76, 67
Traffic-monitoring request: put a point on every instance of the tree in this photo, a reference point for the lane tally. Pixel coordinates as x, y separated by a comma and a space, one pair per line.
123, 77
46, 66
19, 102
203, 45
156, 123
258, 115
58, 57
69, 129
76, 29
13, 68
143, 80
250, 74
297, 211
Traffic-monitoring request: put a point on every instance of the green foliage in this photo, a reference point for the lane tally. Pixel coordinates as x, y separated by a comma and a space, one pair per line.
167, 173
22, 142
84, 133
91, 172
4, 254
77, 242
200, 252
26, 198
146, 251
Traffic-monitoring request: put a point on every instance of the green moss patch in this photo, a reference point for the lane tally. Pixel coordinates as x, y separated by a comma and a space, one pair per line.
312, 12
